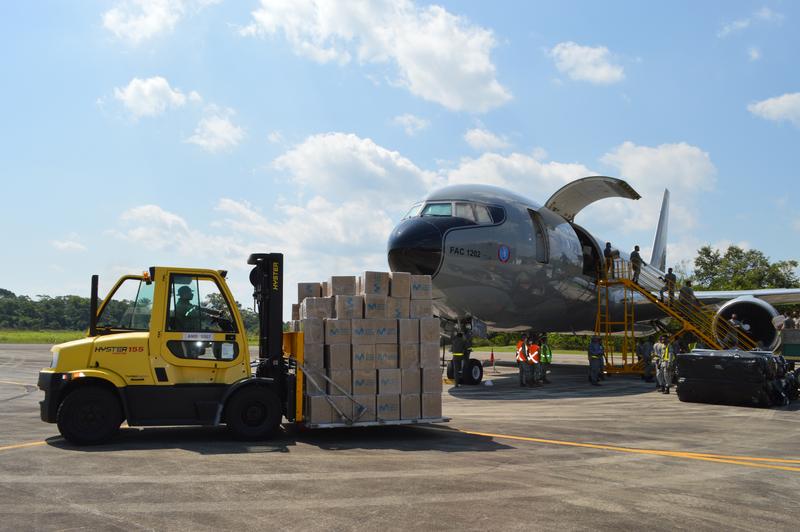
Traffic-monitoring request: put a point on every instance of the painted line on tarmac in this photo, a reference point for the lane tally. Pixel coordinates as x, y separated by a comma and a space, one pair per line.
736, 460
23, 445
18, 383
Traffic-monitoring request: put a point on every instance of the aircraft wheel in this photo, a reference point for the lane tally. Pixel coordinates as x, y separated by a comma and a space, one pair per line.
253, 413
89, 415
450, 373
473, 374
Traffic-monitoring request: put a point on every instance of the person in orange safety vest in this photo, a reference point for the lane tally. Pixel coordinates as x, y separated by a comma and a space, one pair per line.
522, 359
534, 361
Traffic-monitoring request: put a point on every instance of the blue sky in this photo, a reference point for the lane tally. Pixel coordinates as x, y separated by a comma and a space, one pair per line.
194, 132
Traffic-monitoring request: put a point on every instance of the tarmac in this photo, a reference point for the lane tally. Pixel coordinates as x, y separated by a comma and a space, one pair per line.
564, 456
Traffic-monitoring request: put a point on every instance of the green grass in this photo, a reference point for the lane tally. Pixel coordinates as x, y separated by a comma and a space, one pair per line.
9, 336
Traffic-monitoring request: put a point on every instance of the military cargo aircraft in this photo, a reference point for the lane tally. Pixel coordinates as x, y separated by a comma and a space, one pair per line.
520, 266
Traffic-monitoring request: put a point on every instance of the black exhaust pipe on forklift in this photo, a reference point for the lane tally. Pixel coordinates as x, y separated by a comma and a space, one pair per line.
93, 307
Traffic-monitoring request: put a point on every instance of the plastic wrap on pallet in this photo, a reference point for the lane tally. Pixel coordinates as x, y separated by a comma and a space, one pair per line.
316, 307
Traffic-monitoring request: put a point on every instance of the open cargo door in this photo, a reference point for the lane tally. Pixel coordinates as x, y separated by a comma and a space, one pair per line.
570, 199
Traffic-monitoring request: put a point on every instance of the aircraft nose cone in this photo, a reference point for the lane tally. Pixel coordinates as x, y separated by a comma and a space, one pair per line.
415, 246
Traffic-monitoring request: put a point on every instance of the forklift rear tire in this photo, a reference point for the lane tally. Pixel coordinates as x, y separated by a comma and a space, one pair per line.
450, 373
473, 374
253, 413
89, 415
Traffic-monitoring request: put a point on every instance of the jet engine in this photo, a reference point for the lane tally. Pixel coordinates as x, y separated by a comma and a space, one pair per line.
757, 314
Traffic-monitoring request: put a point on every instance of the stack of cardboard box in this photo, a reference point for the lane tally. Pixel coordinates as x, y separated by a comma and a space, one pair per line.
375, 338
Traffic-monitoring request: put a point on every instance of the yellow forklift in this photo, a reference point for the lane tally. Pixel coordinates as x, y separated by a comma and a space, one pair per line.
168, 347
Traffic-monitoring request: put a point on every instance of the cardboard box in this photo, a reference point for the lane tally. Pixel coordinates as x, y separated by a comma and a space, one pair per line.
429, 330
337, 356
305, 290
341, 285
385, 356
310, 378
345, 405
316, 307
363, 331
349, 307
337, 331
375, 283
431, 404
409, 407
295, 311
324, 285
400, 285
421, 287
385, 331
313, 330
408, 356
343, 378
369, 402
363, 356
365, 382
410, 381
421, 308
374, 306
431, 380
397, 308
318, 410
408, 331
387, 407
389, 381
429, 355
313, 356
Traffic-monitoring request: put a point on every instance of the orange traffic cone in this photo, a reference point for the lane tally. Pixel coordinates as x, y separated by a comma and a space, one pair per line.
491, 361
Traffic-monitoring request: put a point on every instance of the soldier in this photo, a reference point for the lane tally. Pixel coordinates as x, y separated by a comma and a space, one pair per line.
596, 354
534, 362
670, 280
659, 352
458, 348
547, 358
636, 263
644, 350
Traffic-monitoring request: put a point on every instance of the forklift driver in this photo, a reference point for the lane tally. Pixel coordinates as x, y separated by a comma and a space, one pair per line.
186, 314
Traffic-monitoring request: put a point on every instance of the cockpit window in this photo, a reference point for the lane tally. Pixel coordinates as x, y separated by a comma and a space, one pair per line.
464, 210
482, 214
498, 214
438, 209
413, 211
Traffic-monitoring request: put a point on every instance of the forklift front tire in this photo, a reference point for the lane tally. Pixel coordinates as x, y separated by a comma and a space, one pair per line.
89, 415
253, 413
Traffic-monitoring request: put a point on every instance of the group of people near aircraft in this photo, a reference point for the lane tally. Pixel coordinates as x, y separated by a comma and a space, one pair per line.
533, 360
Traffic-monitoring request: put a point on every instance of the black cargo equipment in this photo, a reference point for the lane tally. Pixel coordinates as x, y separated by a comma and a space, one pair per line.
748, 378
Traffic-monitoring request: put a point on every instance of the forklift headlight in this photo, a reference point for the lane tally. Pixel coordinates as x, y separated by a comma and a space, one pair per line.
54, 362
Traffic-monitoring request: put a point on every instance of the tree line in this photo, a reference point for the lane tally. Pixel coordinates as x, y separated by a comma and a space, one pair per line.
733, 269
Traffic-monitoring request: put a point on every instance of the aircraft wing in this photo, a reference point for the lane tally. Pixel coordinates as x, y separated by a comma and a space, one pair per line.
773, 296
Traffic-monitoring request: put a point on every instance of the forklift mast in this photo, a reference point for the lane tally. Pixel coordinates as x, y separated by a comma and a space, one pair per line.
267, 281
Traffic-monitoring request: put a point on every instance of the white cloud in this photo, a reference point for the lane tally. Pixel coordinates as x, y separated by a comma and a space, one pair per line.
439, 56
523, 173
275, 137
764, 14
586, 63
411, 124
150, 97
136, 21
779, 108
343, 166
753, 53
216, 132
484, 140
71, 244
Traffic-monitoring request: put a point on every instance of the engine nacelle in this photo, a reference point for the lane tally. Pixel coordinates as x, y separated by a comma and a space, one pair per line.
757, 314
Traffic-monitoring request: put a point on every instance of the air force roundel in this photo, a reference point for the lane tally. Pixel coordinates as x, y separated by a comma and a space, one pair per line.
503, 253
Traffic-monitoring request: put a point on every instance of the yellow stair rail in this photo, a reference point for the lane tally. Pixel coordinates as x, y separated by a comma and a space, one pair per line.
701, 321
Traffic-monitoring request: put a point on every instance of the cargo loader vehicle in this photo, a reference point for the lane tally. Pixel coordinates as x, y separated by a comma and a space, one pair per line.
169, 347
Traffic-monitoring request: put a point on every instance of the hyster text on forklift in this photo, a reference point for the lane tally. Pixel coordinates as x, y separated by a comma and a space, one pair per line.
169, 347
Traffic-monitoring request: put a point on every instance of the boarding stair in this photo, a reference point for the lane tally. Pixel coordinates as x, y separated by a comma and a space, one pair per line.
696, 319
